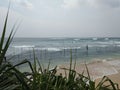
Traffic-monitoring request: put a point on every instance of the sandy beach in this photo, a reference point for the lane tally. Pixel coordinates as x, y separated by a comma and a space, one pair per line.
114, 77
98, 69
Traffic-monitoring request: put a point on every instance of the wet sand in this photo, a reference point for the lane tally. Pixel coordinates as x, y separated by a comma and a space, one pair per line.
98, 69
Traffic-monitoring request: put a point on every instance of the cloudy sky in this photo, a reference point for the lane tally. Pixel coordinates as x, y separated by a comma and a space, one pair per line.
63, 18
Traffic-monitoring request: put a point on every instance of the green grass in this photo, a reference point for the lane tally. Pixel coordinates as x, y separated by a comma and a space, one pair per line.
43, 79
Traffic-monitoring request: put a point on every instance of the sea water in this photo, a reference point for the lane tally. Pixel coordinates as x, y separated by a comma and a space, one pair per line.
58, 51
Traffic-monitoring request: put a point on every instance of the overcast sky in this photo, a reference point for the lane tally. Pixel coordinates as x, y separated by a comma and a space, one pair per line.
63, 18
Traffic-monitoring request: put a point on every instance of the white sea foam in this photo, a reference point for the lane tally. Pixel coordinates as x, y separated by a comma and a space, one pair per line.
53, 49
59, 49
71, 48
30, 47
76, 47
118, 45
102, 42
76, 39
94, 38
114, 62
103, 45
106, 38
24, 46
107, 71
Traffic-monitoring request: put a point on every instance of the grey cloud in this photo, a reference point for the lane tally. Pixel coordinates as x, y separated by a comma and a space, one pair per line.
72, 3
26, 4
105, 3
94, 3
23, 3
113, 3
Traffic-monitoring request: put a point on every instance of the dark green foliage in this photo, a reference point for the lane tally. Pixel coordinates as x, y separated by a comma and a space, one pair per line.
10, 77
49, 80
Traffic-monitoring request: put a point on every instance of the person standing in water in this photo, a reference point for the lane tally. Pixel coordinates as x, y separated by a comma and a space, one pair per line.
87, 49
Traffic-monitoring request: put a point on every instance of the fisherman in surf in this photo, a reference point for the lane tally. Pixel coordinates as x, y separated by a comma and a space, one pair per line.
87, 49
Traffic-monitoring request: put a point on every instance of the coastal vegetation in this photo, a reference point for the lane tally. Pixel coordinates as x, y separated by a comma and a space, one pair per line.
38, 78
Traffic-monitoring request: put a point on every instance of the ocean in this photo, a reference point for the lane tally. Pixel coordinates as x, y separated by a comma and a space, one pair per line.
58, 51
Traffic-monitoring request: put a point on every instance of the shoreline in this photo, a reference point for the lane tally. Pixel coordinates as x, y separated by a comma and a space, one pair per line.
97, 69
